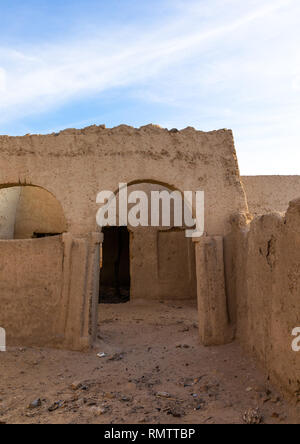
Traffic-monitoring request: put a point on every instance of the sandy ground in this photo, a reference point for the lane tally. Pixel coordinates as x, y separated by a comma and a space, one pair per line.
155, 371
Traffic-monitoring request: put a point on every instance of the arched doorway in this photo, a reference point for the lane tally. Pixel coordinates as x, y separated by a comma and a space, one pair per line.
31, 266
28, 212
140, 262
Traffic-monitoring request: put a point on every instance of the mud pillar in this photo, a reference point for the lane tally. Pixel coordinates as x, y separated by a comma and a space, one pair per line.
212, 302
80, 293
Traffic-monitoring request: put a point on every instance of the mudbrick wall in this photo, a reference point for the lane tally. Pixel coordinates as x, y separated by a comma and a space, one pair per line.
49, 291
75, 165
263, 278
30, 290
267, 194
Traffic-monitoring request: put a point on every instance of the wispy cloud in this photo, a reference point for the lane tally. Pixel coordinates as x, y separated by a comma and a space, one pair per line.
217, 63
47, 75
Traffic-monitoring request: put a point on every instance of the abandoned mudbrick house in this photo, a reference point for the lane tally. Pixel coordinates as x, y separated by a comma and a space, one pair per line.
245, 270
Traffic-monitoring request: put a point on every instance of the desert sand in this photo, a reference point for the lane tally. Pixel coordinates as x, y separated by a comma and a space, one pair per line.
154, 371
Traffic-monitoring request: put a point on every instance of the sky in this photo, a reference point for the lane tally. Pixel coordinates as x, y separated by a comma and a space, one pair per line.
209, 64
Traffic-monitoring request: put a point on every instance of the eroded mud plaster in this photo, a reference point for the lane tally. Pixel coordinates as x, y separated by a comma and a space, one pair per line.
247, 272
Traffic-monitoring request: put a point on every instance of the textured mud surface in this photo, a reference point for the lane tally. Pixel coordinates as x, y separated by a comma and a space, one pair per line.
153, 371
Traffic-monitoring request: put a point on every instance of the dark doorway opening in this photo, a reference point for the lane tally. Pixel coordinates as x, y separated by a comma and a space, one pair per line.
115, 266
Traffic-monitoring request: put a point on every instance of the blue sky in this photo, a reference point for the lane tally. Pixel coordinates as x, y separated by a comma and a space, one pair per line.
208, 63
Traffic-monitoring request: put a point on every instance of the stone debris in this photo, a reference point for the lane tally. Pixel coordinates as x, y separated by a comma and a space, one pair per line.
163, 395
99, 411
252, 416
175, 413
102, 355
76, 385
35, 404
55, 406
109, 395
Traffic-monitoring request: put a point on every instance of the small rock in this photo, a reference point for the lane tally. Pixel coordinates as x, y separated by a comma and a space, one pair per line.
102, 355
109, 395
91, 403
182, 346
35, 404
163, 395
76, 385
252, 416
174, 413
55, 406
99, 411
197, 380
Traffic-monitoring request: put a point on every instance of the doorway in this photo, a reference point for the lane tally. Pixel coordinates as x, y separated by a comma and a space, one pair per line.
115, 266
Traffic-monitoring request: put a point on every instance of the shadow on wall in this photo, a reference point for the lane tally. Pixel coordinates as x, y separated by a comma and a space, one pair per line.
28, 212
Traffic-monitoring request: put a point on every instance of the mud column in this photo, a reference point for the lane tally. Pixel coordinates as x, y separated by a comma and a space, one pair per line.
80, 293
212, 303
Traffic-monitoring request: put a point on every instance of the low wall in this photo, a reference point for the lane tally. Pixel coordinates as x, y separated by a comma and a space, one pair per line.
49, 290
263, 276
30, 290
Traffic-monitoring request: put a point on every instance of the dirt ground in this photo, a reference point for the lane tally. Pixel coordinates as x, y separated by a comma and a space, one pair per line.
154, 371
